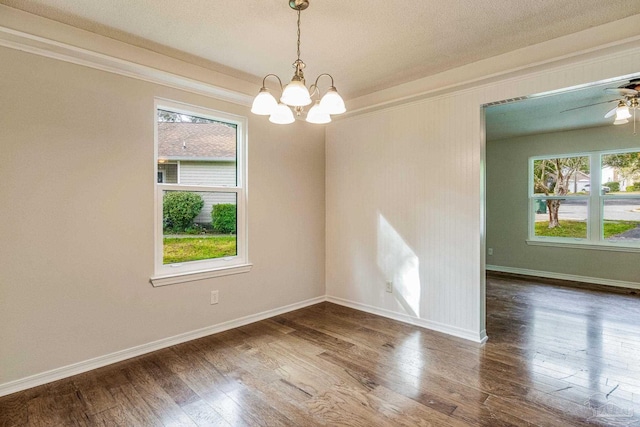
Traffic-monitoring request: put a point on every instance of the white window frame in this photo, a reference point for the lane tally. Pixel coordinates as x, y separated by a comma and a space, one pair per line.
595, 207
166, 274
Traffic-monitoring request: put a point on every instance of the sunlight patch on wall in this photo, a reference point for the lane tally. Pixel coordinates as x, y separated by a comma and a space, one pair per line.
400, 265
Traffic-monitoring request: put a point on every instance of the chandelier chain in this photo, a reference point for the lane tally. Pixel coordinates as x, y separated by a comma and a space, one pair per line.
298, 34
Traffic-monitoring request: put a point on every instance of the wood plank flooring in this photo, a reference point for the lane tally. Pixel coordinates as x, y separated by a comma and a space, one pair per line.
556, 356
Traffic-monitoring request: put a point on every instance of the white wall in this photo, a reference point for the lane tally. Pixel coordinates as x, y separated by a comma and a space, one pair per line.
405, 195
77, 218
403, 205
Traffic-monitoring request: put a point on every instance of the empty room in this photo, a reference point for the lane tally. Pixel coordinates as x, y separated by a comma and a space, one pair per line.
318, 212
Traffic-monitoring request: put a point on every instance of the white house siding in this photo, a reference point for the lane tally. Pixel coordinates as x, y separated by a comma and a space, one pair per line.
222, 174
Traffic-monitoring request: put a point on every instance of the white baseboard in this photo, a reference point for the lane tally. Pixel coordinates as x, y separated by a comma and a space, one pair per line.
480, 337
118, 356
562, 276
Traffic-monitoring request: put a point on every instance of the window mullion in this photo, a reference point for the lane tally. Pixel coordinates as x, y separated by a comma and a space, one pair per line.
594, 232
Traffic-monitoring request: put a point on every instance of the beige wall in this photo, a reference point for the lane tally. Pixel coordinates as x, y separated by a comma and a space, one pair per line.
76, 248
507, 205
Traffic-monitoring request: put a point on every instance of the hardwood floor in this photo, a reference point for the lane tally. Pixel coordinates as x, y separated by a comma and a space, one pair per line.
556, 356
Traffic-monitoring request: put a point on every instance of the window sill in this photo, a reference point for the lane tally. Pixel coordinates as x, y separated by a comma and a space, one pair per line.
199, 275
578, 245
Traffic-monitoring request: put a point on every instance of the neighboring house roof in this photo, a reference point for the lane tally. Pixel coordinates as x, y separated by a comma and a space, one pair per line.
581, 175
196, 141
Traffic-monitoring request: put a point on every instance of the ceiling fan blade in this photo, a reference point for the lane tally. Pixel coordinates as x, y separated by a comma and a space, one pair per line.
589, 105
622, 91
611, 112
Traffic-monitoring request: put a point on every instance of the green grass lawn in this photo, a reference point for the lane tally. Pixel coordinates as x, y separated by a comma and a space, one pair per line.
613, 228
578, 229
182, 249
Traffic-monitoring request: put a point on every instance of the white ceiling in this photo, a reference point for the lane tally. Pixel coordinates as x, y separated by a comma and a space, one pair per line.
366, 45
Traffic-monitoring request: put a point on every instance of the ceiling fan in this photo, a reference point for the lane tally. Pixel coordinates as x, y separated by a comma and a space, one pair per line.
628, 101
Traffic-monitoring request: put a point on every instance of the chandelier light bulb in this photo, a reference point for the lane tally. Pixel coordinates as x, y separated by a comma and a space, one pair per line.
317, 115
332, 102
264, 103
282, 115
621, 121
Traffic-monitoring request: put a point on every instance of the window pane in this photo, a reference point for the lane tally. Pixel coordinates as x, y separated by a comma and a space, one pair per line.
622, 220
561, 176
198, 225
196, 151
621, 173
560, 218
167, 172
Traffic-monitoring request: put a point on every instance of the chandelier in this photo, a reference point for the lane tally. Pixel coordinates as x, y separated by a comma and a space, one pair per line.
295, 95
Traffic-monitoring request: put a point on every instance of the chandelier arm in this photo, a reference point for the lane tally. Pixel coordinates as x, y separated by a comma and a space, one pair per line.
324, 74
274, 75
313, 89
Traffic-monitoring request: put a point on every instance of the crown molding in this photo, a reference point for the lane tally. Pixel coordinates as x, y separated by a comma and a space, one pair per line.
43, 37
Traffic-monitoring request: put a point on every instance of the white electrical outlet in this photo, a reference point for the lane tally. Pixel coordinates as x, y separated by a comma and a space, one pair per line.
490, 251
389, 286
214, 297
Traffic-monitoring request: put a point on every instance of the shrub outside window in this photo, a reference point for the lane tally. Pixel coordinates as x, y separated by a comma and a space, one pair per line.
591, 199
200, 193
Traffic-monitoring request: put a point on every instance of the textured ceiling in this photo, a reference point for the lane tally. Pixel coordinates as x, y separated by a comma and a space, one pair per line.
366, 45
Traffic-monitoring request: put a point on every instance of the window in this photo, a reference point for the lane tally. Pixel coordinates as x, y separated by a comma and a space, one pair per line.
586, 199
200, 194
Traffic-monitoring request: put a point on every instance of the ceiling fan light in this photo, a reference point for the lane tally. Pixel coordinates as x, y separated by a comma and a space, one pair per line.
621, 122
282, 115
332, 102
264, 103
317, 115
296, 94
622, 112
